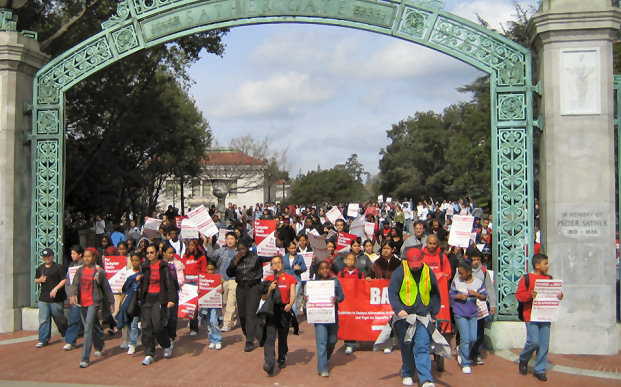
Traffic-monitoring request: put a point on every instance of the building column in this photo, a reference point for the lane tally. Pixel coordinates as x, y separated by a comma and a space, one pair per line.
20, 58
572, 43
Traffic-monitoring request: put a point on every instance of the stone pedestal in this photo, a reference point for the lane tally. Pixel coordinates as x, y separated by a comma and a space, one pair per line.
20, 58
572, 41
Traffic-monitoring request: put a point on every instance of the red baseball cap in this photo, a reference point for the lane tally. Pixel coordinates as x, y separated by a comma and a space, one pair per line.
415, 258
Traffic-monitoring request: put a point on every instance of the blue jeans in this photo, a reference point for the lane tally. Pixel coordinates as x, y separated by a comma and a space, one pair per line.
325, 338
468, 336
75, 322
47, 311
134, 331
416, 354
93, 334
212, 317
537, 339
407, 226
294, 308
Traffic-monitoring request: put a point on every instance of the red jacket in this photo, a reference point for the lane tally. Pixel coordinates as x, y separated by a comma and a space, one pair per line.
524, 295
355, 274
433, 261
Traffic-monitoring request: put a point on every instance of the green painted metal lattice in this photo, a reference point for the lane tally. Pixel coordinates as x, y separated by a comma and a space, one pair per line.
139, 24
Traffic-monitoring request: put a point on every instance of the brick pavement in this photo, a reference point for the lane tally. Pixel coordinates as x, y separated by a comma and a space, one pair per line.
194, 364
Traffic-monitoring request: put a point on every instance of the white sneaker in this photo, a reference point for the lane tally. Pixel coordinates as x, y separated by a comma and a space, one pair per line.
212, 345
408, 381
428, 384
168, 353
99, 353
388, 350
68, 347
218, 345
131, 350
224, 328
466, 370
459, 360
147, 360
480, 361
349, 350
193, 333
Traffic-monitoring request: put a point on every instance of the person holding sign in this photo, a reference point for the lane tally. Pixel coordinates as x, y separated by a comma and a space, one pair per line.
415, 298
279, 296
223, 256
326, 334
88, 290
195, 263
480, 271
213, 316
465, 291
157, 294
537, 333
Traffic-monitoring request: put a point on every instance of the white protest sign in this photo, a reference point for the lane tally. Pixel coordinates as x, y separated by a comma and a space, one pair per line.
334, 214
461, 230
152, 228
545, 305
308, 261
318, 244
188, 230
369, 229
319, 307
353, 209
222, 236
357, 227
200, 217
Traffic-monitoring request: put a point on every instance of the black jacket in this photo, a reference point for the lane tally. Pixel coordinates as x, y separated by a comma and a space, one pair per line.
167, 286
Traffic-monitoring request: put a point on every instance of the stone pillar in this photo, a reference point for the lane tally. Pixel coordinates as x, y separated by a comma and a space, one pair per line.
20, 58
572, 41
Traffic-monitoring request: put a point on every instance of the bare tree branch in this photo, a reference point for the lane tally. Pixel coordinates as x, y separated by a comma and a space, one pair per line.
65, 27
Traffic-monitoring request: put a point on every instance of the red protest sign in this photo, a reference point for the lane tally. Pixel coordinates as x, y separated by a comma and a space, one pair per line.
264, 237
365, 309
343, 240
188, 300
115, 271
209, 287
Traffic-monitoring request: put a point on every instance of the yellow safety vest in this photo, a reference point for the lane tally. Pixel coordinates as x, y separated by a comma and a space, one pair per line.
410, 289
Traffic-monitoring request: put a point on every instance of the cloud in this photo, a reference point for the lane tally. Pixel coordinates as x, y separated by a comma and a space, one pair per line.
494, 12
280, 93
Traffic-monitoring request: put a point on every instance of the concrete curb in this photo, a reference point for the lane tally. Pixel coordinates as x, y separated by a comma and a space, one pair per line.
513, 357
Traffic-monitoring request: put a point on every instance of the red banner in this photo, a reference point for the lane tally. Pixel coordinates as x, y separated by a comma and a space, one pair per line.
444, 313
343, 240
365, 310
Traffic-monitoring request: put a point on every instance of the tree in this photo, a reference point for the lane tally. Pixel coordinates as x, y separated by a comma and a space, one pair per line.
129, 126
355, 168
276, 162
328, 185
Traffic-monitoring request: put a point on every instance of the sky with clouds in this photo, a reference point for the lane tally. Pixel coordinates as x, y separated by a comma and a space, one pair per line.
322, 93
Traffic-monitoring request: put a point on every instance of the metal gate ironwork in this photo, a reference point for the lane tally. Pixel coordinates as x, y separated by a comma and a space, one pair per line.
139, 24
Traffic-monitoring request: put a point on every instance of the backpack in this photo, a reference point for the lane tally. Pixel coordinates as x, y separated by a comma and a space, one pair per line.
520, 308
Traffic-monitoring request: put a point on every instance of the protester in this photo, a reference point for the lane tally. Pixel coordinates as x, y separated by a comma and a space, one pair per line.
418, 239
537, 333
89, 289
326, 334
413, 294
157, 294
465, 291
350, 272
294, 265
75, 321
52, 295
177, 269
195, 263
213, 317
279, 296
368, 250
479, 271
247, 268
223, 257
130, 311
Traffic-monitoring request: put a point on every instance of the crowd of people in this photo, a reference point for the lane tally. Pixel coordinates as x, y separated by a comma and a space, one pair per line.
409, 247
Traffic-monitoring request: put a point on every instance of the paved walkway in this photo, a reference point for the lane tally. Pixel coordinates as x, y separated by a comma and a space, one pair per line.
193, 363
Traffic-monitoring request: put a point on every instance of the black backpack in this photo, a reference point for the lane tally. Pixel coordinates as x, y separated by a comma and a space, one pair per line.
520, 308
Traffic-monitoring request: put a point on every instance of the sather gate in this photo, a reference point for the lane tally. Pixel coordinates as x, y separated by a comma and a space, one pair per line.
139, 24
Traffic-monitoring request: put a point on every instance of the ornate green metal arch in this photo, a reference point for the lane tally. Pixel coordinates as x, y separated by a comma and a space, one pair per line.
139, 24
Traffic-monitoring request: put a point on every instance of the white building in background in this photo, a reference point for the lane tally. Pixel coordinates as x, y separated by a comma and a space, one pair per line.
244, 174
